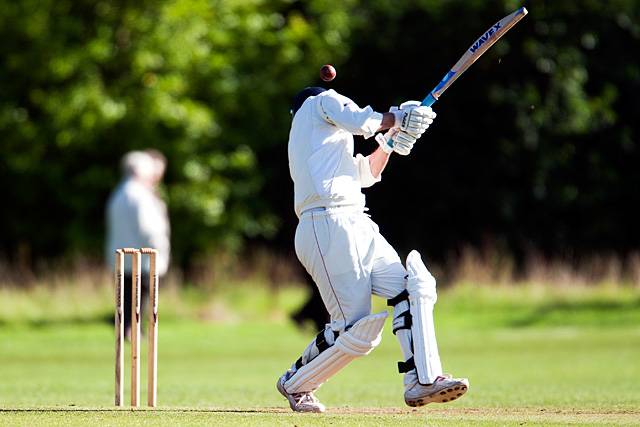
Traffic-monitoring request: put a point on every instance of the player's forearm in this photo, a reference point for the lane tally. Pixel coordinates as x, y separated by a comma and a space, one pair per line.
377, 162
388, 120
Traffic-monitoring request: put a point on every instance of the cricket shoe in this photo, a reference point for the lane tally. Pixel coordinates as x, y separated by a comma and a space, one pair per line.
299, 402
443, 389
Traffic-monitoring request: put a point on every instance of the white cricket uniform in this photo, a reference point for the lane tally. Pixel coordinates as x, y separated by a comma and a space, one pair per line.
338, 244
137, 218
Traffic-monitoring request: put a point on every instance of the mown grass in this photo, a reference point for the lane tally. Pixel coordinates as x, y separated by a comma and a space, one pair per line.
526, 304
534, 355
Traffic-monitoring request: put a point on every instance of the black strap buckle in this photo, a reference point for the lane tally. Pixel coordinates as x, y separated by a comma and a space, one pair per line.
404, 367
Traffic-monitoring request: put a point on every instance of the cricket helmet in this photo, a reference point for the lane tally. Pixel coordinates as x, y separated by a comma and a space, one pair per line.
301, 96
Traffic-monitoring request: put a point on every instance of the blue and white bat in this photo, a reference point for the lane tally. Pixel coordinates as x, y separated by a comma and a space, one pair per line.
476, 50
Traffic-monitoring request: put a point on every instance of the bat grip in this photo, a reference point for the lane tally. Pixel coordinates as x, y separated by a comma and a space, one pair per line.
428, 101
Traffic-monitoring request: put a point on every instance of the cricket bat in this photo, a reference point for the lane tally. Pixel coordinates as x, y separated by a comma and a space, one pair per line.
480, 46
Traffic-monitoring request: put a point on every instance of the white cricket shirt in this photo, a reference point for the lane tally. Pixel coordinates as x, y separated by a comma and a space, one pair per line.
137, 218
324, 170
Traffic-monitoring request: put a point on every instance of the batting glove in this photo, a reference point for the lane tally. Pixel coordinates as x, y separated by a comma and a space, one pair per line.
396, 140
413, 118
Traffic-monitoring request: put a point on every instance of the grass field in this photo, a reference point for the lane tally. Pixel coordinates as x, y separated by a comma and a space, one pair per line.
534, 357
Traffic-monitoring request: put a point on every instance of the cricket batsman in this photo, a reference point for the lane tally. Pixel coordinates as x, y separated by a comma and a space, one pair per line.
347, 257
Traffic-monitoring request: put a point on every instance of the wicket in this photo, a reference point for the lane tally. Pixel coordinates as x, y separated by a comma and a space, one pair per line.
136, 257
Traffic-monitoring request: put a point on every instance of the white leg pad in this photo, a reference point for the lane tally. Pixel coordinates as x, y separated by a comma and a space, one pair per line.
358, 341
421, 286
402, 330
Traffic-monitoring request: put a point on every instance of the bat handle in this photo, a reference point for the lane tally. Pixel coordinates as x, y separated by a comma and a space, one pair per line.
428, 101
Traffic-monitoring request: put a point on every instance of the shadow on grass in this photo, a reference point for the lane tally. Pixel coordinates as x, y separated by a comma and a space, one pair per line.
592, 313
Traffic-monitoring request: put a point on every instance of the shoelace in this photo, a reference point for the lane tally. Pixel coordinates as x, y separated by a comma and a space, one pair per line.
442, 377
305, 398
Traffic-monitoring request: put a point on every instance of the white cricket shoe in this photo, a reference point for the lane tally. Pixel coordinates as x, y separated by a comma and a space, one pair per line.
443, 389
300, 402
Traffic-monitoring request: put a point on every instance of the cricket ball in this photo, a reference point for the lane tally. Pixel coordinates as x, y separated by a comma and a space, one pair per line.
327, 73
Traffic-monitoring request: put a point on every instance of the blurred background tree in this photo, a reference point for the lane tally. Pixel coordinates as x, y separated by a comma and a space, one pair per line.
207, 83
534, 149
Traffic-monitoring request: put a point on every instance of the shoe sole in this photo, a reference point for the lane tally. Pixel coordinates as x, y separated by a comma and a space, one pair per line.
448, 394
292, 403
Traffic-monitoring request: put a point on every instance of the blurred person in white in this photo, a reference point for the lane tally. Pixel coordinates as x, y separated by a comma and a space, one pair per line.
137, 218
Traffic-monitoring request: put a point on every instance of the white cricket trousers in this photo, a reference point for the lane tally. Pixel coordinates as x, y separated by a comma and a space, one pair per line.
349, 260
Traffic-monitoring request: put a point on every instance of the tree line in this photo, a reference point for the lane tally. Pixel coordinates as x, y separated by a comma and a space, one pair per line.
534, 148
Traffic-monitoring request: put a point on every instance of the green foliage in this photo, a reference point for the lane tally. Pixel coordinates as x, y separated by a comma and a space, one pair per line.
538, 140
205, 82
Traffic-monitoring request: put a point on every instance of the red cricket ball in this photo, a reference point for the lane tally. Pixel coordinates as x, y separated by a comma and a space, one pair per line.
327, 73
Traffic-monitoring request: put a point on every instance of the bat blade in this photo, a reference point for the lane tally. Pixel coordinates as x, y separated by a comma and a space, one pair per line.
479, 47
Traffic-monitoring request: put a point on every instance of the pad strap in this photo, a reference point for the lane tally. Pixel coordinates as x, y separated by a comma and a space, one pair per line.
321, 345
321, 341
402, 320
404, 367
402, 296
